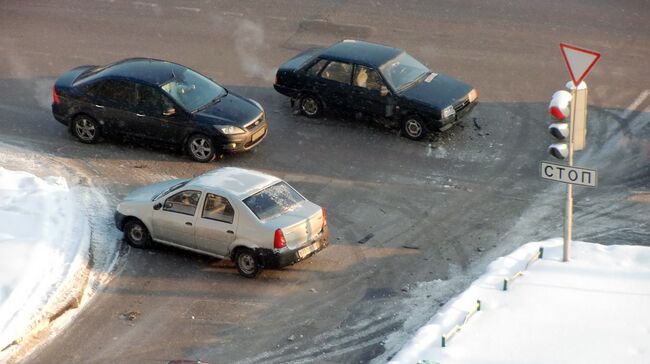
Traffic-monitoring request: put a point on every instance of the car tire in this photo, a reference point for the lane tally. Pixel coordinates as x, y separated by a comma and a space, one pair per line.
137, 234
201, 148
86, 129
413, 127
246, 263
310, 106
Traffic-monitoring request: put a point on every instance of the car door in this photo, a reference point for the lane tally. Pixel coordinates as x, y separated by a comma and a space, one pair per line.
369, 92
216, 228
158, 117
174, 222
333, 84
113, 101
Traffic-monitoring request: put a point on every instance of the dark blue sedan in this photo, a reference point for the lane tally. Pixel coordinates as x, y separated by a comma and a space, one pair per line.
383, 82
159, 101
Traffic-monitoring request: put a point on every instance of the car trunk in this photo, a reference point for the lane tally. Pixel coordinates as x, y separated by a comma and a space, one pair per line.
301, 225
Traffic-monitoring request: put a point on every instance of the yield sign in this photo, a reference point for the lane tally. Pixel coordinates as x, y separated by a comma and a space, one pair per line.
579, 61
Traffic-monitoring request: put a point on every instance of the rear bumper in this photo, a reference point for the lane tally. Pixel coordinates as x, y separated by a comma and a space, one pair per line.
287, 91
269, 258
59, 112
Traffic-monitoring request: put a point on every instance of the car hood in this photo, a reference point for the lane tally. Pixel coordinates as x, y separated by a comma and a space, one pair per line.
146, 193
440, 92
231, 109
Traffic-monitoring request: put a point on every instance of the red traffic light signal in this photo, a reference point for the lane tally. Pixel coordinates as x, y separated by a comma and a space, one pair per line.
560, 105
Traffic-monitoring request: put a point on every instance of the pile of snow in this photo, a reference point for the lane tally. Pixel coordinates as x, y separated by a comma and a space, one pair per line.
592, 309
44, 244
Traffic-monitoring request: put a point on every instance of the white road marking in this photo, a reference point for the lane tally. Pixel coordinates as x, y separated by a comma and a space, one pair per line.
142, 3
232, 13
280, 18
630, 109
196, 10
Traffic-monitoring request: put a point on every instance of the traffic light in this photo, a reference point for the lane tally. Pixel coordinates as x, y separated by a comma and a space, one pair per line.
560, 109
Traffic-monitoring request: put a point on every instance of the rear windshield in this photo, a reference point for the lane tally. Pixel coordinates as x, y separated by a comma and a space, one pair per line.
273, 200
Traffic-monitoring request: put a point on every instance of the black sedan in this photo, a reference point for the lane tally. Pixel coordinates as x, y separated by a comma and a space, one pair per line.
383, 82
160, 101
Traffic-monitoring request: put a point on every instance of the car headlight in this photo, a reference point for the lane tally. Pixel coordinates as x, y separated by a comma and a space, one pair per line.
447, 112
472, 95
229, 129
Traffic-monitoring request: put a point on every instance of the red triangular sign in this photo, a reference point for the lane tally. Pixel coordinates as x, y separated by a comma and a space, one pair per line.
579, 61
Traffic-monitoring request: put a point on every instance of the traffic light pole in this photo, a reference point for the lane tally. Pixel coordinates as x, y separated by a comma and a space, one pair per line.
568, 212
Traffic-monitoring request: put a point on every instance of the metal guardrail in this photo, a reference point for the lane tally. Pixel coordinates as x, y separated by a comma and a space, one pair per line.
538, 255
457, 328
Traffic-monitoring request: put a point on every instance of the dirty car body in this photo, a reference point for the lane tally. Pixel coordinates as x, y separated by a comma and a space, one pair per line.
158, 101
252, 218
383, 82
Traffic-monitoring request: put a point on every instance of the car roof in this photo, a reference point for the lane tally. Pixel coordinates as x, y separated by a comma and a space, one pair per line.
238, 182
145, 70
361, 52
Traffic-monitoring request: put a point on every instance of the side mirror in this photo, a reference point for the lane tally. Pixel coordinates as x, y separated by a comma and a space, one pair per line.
384, 91
169, 112
157, 206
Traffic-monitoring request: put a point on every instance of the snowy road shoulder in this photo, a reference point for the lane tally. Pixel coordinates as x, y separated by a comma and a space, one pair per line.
592, 309
44, 253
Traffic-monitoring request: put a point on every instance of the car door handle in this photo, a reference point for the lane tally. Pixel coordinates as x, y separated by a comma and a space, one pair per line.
188, 223
140, 115
230, 231
99, 106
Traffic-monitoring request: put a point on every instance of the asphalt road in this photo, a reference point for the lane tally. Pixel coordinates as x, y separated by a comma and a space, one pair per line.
435, 211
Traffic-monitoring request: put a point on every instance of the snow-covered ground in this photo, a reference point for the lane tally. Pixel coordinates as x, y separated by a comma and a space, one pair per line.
44, 251
592, 309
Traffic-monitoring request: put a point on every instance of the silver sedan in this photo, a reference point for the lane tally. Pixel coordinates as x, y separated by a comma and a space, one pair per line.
255, 219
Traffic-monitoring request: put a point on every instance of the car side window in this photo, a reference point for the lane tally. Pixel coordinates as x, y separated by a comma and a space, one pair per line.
367, 78
315, 69
117, 91
184, 202
152, 100
337, 71
218, 208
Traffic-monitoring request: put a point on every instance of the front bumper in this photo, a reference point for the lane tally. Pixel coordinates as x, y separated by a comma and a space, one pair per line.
269, 258
119, 220
254, 135
447, 123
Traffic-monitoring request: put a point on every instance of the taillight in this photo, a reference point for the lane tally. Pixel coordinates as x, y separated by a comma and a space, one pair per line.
324, 218
55, 97
279, 242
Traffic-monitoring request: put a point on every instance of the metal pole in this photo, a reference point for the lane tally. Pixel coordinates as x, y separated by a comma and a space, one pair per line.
568, 213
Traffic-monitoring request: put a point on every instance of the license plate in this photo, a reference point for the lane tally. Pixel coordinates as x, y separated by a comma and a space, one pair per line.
308, 250
258, 134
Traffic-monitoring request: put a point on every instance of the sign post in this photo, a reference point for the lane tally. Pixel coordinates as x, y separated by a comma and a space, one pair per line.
579, 61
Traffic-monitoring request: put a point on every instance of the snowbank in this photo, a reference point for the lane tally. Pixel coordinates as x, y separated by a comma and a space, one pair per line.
593, 309
44, 245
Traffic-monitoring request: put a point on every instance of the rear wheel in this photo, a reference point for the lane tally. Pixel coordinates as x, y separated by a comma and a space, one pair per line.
310, 106
136, 234
247, 263
85, 129
200, 148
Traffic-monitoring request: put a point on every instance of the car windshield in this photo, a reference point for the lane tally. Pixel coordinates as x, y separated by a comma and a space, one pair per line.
403, 71
192, 90
273, 200
168, 190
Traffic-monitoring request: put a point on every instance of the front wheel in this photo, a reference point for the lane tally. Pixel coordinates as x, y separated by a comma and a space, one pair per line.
85, 129
310, 106
247, 263
200, 148
413, 127
136, 234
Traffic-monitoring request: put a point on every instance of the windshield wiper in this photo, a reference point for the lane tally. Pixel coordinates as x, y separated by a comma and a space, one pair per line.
414, 81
